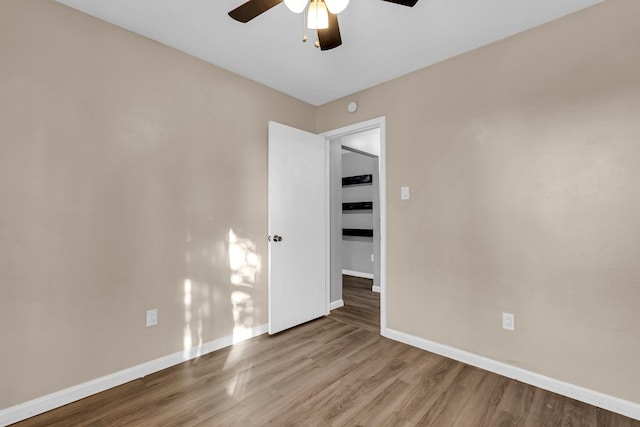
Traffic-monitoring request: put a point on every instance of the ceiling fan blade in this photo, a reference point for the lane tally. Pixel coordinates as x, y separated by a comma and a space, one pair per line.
409, 3
329, 38
249, 10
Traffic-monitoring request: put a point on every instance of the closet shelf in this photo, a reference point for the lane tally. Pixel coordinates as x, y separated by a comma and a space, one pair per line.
357, 180
357, 206
357, 232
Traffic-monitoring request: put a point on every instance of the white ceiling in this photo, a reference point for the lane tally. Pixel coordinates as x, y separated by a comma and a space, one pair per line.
381, 40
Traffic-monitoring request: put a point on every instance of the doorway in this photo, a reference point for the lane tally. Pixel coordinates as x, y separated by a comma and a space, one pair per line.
361, 305
358, 223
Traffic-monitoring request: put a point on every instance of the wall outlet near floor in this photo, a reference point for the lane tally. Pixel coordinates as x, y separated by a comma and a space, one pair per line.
508, 322
371, 257
152, 317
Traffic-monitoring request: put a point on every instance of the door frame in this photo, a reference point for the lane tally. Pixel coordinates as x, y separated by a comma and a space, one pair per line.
378, 122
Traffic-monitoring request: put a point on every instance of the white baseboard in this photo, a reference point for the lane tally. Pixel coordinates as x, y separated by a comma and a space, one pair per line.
336, 304
376, 289
595, 398
358, 274
51, 401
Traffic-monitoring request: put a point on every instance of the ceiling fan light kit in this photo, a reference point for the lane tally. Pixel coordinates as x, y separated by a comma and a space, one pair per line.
318, 18
336, 6
296, 6
322, 16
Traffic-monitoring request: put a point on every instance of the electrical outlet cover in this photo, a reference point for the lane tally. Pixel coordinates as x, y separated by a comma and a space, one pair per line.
508, 322
152, 317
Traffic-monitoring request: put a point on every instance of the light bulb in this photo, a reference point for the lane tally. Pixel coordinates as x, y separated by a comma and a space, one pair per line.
336, 6
318, 18
296, 6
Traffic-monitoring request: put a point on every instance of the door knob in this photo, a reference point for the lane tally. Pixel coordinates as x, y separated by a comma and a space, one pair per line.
277, 238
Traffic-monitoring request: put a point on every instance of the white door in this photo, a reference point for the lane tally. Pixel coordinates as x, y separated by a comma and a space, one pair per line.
297, 227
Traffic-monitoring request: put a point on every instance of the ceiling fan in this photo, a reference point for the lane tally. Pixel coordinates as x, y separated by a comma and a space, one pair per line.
322, 16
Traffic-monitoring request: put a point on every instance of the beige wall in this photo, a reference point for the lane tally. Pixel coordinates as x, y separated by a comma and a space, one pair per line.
123, 166
522, 159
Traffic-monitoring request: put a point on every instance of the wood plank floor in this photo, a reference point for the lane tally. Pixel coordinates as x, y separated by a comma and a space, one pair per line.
326, 373
361, 304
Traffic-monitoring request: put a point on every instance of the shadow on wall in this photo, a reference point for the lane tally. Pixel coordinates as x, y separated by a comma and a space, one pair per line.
200, 297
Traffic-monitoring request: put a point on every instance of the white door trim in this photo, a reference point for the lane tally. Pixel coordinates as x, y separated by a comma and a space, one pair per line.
378, 122
327, 235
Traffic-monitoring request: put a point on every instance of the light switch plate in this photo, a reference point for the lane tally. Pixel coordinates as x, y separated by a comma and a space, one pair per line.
404, 193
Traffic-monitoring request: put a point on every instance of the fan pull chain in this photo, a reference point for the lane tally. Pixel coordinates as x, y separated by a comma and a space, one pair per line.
317, 43
304, 25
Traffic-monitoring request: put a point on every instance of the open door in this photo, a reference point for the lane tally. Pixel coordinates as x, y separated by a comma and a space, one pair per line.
297, 227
